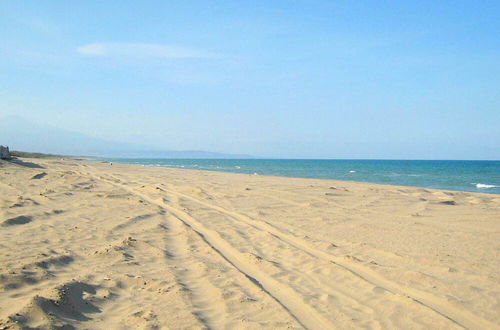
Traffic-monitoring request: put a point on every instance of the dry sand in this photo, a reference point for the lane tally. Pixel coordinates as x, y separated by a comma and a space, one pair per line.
88, 245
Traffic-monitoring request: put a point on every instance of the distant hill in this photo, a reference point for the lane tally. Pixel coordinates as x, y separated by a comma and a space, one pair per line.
21, 134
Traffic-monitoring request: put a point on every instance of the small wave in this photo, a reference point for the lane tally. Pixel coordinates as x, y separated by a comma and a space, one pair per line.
237, 167
485, 186
352, 171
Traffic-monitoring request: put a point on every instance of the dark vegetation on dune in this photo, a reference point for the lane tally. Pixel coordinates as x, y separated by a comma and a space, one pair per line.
24, 154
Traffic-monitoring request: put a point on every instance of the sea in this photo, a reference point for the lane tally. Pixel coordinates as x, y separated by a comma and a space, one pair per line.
461, 175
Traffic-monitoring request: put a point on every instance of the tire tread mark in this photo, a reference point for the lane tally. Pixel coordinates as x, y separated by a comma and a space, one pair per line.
285, 296
456, 315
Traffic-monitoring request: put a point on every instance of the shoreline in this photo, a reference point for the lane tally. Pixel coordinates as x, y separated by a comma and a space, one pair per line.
298, 177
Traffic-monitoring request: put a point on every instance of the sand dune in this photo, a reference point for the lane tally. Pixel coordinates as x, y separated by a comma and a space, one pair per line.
88, 245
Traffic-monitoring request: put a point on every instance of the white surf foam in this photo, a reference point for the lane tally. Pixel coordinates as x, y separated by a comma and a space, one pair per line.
485, 186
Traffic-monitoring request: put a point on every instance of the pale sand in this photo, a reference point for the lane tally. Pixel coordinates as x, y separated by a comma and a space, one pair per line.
90, 245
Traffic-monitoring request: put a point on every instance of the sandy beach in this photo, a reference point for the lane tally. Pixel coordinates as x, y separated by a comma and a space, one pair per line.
88, 245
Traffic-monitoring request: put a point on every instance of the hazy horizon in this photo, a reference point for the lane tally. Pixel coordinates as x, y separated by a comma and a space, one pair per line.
308, 80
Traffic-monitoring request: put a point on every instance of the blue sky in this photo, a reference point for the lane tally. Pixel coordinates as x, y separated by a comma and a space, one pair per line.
299, 79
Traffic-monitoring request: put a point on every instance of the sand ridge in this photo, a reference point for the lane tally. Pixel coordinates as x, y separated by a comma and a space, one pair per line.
89, 245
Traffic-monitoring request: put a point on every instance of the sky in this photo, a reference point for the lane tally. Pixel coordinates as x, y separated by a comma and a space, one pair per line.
284, 79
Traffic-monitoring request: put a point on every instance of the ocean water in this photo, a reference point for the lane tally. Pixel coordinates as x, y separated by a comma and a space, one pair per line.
477, 176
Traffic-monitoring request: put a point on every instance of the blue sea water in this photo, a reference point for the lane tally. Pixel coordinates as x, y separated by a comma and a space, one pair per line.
477, 176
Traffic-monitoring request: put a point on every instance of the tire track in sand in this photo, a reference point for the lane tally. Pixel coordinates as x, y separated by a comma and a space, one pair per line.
207, 300
456, 315
285, 296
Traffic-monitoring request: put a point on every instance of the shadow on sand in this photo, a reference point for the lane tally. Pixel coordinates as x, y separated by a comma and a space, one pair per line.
25, 164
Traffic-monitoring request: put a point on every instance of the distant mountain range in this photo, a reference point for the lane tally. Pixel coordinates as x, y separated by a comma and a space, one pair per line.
21, 134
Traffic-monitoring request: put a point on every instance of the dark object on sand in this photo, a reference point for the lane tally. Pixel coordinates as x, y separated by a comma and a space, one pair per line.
20, 220
39, 176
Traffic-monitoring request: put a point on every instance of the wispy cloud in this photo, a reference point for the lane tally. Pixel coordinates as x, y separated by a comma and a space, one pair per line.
126, 49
